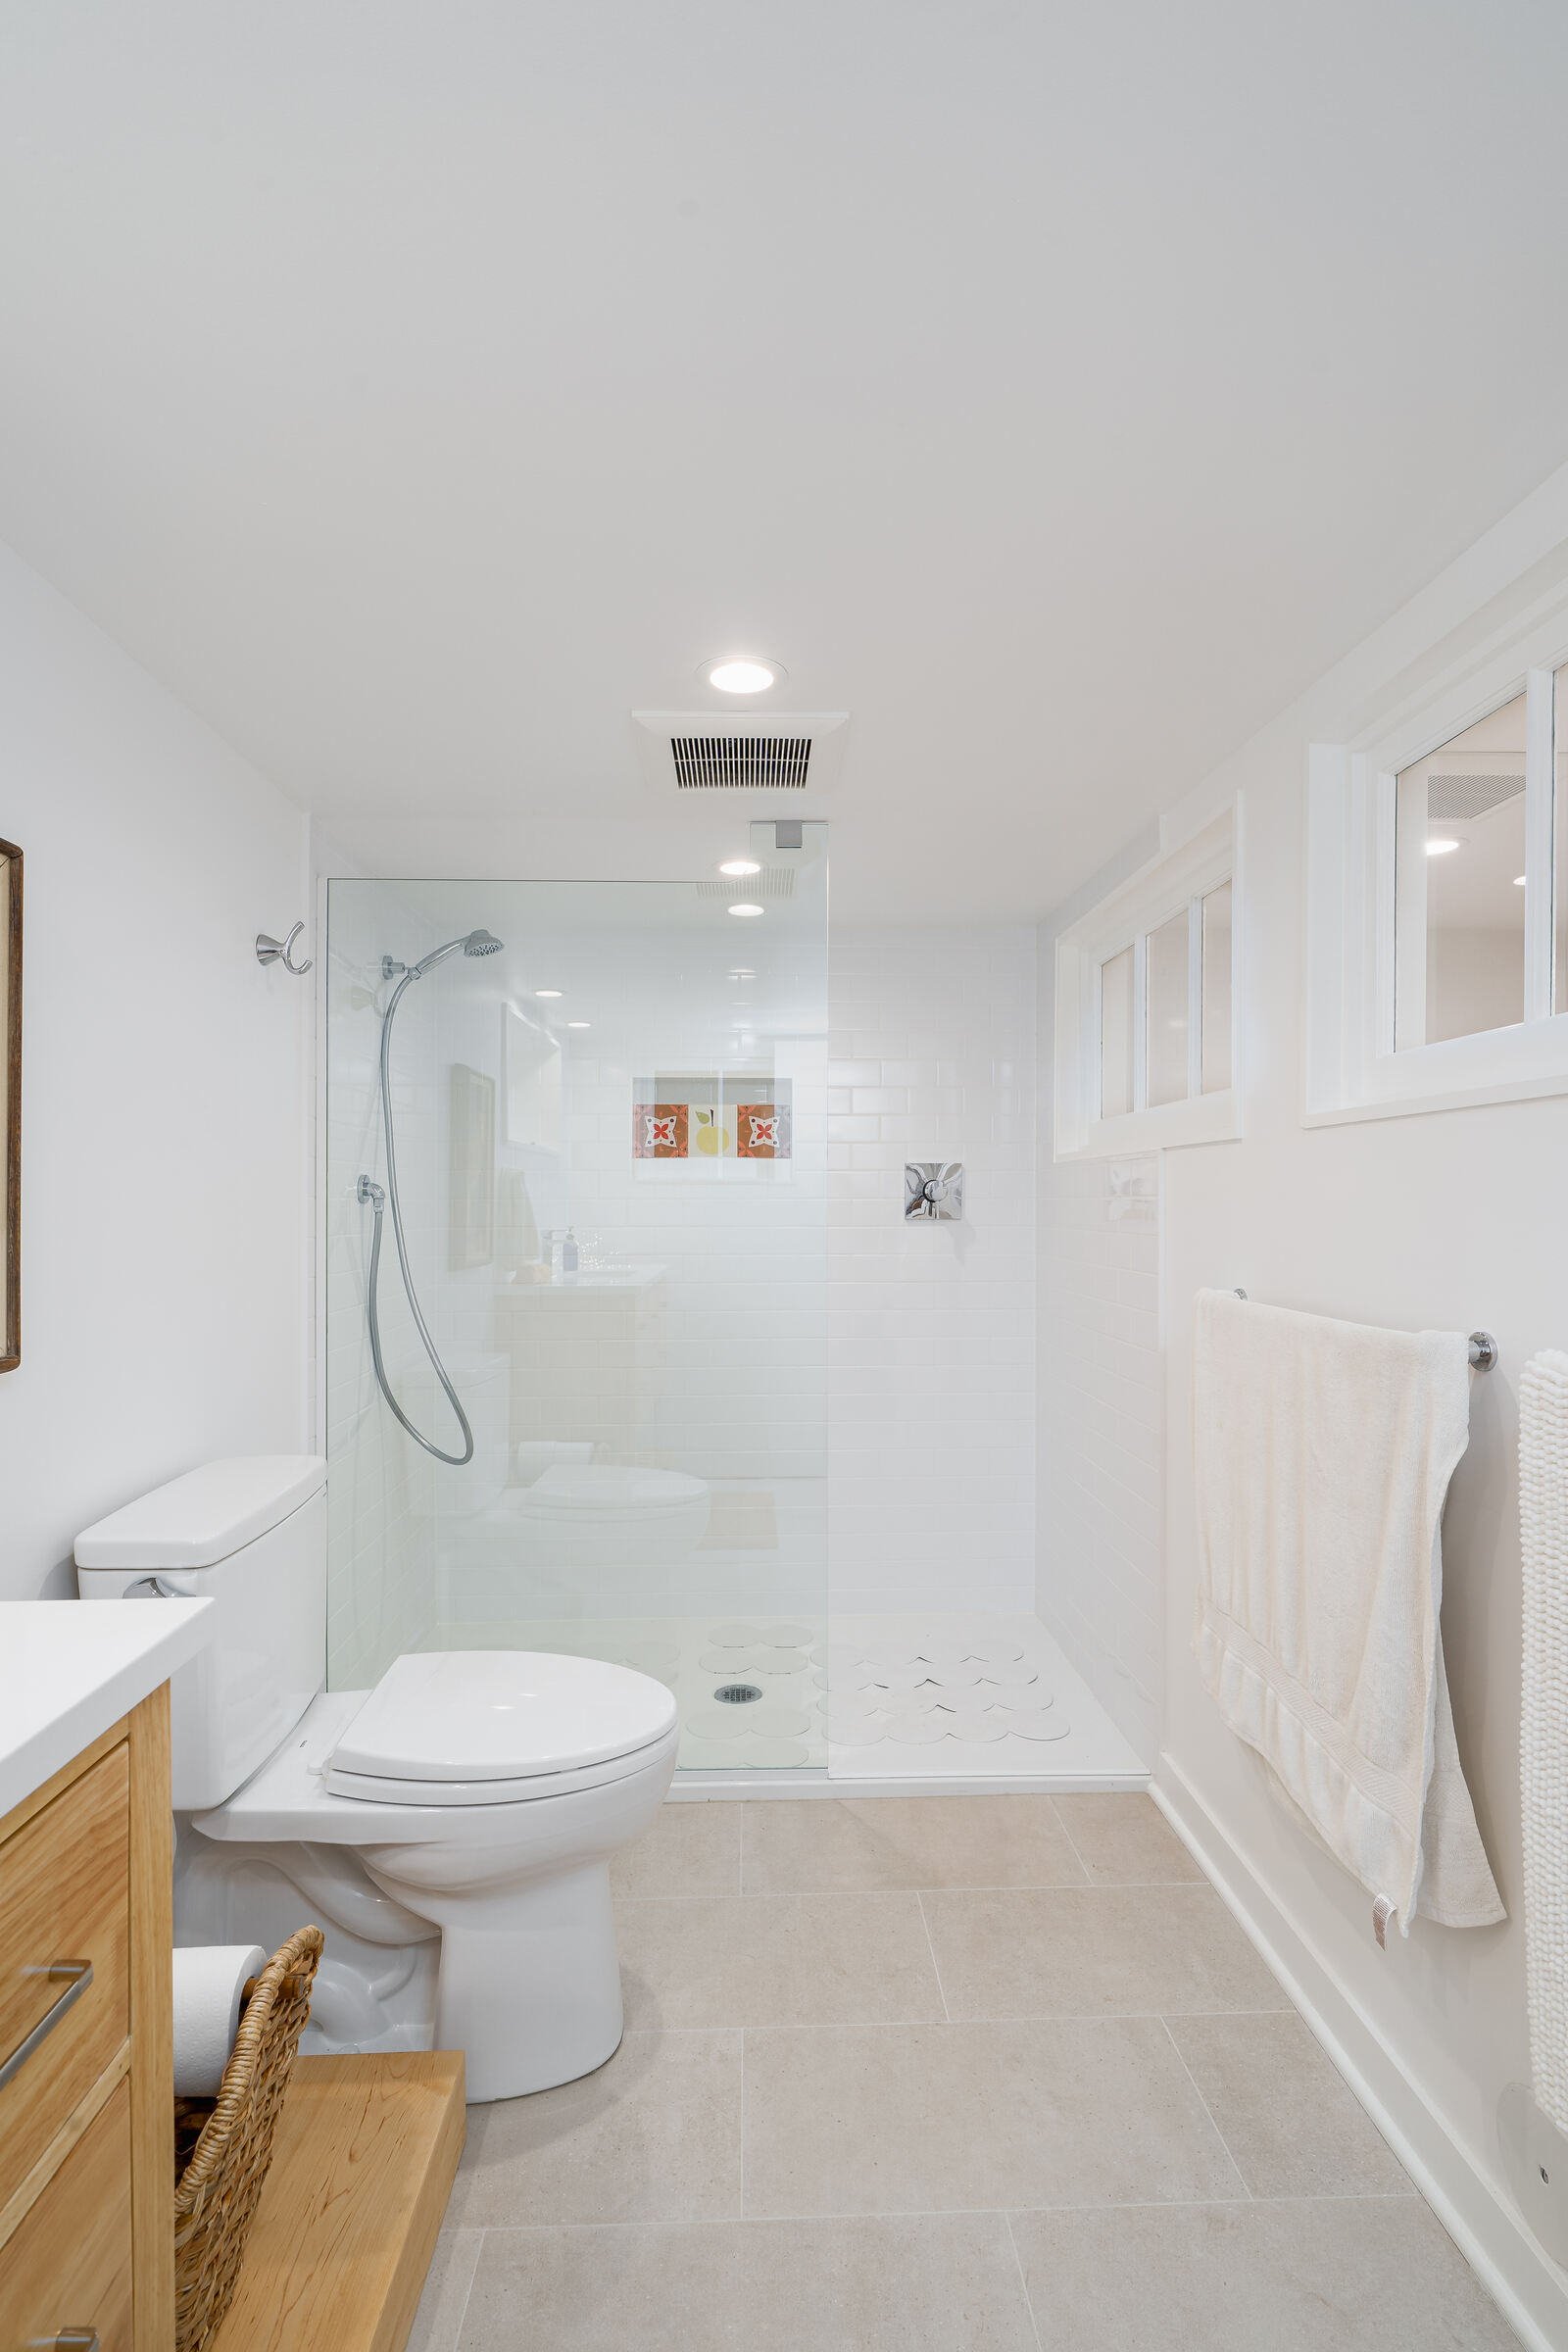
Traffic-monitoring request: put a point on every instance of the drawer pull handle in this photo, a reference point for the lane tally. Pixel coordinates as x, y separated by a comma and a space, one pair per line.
75, 1975
65, 2339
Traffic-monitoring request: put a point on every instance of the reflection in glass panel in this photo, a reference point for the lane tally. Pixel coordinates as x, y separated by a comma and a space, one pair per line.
1559, 836
1216, 1039
1117, 1035
1166, 950
1459, 907
612, 1171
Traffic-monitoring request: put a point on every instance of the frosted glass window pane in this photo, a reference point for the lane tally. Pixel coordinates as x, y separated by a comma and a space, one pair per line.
1460, 906
1166, 950
1217, 989
1117, 1035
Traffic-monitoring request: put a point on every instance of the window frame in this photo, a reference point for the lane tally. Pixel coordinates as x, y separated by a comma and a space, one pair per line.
1178, 880
1353, 1068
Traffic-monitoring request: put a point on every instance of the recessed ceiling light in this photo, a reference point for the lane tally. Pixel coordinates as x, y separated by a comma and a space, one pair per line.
746, 908
547, 992
1440, 846
1518, 883
577, 1024
741, 865
743, 971
742, 673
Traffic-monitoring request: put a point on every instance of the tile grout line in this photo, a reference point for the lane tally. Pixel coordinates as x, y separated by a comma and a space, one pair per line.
1072, 1842
1230, 2153
901, 2025
741, 2216
1028, 2299
947, 2014
467, 2295
800, 1894
940, 2212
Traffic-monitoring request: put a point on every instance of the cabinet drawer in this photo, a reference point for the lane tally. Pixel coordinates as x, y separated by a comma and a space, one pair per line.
64, 1900
66, 2268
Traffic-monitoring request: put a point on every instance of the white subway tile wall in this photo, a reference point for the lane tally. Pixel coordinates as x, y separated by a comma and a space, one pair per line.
875, 1386
1101, 1587
693, 1338
931, 1373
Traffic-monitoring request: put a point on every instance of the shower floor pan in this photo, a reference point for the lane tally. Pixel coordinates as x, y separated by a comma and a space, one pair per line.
808, 1705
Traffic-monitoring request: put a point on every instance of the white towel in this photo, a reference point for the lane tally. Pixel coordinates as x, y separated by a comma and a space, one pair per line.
1322, 1454
1543, 1726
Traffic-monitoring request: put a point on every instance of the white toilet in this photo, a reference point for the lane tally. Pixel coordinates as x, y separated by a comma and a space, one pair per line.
484, 1791
578, 1516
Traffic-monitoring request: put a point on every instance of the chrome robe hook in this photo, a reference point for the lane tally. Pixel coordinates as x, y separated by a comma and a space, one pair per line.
281, 951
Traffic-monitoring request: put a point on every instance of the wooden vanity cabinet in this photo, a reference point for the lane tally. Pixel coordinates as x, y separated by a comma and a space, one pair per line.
86, 2062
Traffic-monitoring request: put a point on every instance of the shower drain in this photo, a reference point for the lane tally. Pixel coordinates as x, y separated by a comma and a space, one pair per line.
738, 1694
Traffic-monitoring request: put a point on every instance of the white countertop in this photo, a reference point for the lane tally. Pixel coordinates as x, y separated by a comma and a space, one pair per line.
71, 1668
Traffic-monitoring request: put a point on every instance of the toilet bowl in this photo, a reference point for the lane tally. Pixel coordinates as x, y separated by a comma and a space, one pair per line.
601, 1515
482, 1791
485, 1791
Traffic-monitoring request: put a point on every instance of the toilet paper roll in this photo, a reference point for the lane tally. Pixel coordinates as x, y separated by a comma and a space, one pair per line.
210, 1980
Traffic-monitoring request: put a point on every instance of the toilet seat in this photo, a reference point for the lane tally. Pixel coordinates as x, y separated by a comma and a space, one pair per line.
290, 1798
496, 1727
356, 1787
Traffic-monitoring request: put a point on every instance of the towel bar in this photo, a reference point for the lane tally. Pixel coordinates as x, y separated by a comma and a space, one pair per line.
1483, 1347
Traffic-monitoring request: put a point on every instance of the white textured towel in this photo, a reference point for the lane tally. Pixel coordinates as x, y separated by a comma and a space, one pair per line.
1543, 1727
1322, 1454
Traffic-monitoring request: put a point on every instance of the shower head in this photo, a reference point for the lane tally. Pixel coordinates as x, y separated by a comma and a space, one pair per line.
472, 942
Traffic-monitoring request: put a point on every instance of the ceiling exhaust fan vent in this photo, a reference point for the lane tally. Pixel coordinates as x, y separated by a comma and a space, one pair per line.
741, 763
1452, 800
773, 882
785, 760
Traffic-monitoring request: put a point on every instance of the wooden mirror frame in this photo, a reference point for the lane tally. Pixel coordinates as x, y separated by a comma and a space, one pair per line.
10, 1108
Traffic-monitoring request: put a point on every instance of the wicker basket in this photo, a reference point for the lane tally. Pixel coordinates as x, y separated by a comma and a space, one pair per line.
217, 2193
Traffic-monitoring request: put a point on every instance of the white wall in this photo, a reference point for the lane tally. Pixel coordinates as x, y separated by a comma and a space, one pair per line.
165, 1266
931, 1411
1475, 980
1451, 1220
1099, 1546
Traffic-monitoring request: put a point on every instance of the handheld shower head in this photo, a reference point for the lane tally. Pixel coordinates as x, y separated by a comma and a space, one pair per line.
473, 943
370, 1195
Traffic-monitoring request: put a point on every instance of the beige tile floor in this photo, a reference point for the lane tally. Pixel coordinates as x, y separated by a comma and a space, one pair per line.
950, 2073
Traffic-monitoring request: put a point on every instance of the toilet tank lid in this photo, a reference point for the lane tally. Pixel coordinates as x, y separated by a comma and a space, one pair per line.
205, 1516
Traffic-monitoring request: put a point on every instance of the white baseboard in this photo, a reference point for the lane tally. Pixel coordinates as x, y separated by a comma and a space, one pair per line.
1528, 2287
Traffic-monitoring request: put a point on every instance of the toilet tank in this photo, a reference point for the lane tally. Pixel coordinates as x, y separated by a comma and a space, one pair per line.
249, 1535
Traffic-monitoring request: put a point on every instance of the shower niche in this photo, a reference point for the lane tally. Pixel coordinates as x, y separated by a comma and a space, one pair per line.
713, 1121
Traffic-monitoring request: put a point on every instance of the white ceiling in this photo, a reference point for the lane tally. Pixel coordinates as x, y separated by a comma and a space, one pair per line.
418, 389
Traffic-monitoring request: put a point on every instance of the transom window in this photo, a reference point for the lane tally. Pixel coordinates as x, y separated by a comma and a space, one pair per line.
1463, 895
1165, 1010
1144, 993
1437, 895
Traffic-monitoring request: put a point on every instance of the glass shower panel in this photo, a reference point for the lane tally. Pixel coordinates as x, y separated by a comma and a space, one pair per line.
610, 1151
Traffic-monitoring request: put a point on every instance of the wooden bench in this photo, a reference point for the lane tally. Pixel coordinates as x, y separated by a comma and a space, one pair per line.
363, 2166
